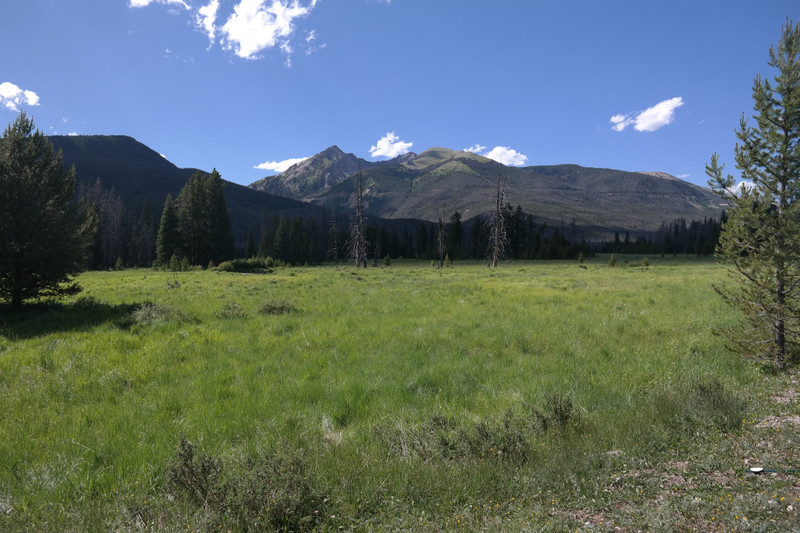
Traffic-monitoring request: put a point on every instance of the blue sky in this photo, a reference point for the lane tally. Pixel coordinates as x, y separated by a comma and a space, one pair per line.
242, 84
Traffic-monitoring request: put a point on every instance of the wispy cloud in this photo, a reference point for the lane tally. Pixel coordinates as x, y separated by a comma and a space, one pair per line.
650, 119
501, 154
280, 166
206, 20
390, 146
145, 3
12, 97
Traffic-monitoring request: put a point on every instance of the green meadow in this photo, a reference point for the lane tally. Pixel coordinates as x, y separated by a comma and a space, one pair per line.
539, 396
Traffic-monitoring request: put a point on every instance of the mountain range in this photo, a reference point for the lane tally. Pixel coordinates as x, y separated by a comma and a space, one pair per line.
141, 176
416, 186
412, 187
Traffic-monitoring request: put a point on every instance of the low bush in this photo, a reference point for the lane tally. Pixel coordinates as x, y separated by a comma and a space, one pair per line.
511, 438
277, 307
232, 310
270, 491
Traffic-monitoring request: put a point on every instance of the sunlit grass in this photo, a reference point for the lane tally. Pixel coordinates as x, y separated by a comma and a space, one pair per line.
96, 393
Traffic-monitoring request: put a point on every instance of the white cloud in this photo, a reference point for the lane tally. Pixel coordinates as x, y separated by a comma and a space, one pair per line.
12, 97
507, 156
390, 146
145, 3
254, 25
260, 24
280, 166
206, 19
501, 154
741, 186
621, 122
650, 119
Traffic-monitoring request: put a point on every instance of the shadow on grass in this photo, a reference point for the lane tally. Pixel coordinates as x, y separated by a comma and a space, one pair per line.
43, 318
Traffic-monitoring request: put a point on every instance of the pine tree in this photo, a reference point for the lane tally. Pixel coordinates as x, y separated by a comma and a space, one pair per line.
761, 237
168, 241
204, 220
250, 249
43, 235
220, 230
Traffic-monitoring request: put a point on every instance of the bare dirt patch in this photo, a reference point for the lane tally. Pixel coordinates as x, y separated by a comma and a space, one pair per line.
778, 421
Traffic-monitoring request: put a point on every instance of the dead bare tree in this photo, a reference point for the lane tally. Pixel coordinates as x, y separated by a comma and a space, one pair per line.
441, 236
498, 232
357, 243
333, 240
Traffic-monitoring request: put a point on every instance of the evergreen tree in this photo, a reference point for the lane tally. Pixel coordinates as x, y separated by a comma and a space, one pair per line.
422, 240
762, 235
250, 250
219, 220
168, 240
455, 237
204, 220
141, 250
281, 244
43, 235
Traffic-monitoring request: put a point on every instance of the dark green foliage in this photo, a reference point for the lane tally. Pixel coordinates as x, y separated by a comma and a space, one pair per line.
761, 238
168, 241
250, 250
43, 235
254, 265
204, 220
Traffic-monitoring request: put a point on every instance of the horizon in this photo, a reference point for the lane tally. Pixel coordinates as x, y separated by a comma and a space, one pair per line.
251, 86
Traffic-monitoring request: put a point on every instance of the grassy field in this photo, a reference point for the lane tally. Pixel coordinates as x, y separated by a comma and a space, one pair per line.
534, 397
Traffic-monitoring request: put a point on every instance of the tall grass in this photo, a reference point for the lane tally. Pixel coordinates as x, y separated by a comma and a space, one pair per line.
405, 395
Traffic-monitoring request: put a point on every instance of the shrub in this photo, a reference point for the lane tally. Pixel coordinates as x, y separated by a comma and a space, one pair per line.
277, 307
194, 476
269, 491
558, 410
174, 263
226, 266
150, 314
277, 487
254, 265
510, 438
701, 403
232, 310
